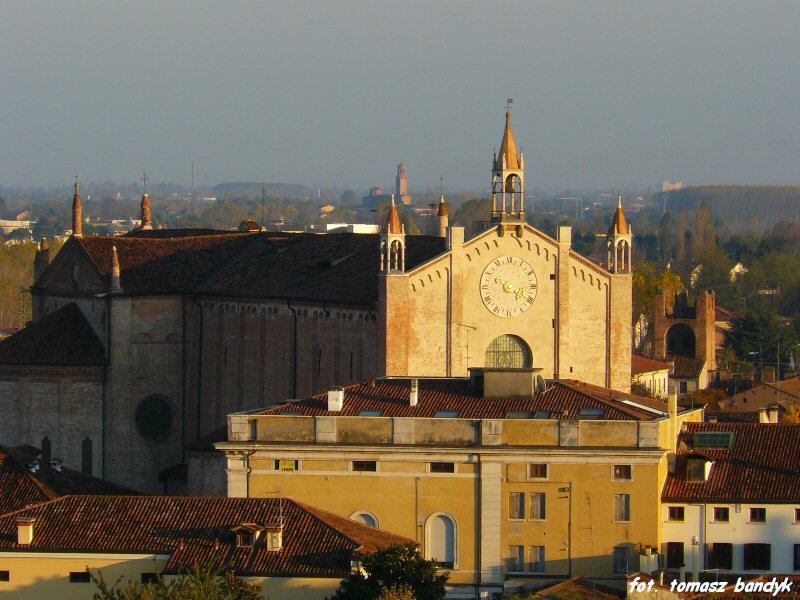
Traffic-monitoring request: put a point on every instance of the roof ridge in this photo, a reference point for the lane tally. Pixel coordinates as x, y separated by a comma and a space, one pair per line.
37, 505
313, 511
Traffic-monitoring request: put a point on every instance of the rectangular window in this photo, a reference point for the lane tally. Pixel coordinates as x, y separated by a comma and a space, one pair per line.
79, 577
622, 507
5, 576
757, 556
676, 513
796, 560
537, 559
722, 514
443, 467
622, 560
591, 414
286, 465
696, 470
537, 471
713, 439
516, 505
797, 515
674, 555
370, 413
446, 414
365, 465
683, 387
516, 559
149, 578
720, 556
623, 472
537, 506
758, 515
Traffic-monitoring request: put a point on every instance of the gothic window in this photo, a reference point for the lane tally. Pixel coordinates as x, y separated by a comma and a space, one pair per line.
508, 351
441, 540
154, 418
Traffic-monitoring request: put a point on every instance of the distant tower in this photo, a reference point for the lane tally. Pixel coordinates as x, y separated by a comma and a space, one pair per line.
620, 238
146, 220
393, 243
401, 185
508, 179
442, 216
77, 211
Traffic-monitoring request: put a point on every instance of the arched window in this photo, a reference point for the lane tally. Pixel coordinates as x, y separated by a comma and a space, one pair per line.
441, 537
86, 456
509, 351
367, 518
681, 341
154, 418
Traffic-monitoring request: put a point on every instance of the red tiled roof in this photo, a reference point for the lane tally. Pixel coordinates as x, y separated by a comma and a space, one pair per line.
563, 399
162, 264
687, 368
724, 315
642, 364
63, 338
334, 267
20, 487
762, 466
199, 532
578, 588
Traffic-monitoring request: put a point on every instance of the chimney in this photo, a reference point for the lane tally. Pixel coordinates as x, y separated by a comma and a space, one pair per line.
414, 392
335, 398
25, 530
115, 271
42, 260
772, 413
146, 221
672, 411
762, 415
275, 539
77, 211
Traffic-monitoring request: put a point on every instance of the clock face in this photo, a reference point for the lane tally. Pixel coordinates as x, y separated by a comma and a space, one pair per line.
508, 286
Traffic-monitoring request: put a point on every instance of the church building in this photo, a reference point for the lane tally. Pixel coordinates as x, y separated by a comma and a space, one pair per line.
143, 344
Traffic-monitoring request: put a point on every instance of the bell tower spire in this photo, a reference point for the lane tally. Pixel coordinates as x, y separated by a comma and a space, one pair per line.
77, 211
508, 178
620, 240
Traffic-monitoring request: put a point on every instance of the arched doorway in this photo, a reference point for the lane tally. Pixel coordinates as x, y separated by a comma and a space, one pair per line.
681, 341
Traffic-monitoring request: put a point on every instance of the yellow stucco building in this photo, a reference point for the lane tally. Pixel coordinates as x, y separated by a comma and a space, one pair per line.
502, 478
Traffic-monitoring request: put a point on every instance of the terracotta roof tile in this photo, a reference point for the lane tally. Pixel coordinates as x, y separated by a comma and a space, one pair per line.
199, 532
762, 466
334, 267
563, 399
20, 487
154, 265
642, 364
687, 368
62, 338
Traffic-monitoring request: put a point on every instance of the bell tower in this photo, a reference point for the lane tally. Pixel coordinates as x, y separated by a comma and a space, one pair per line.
620, 239
508, 178
393, 243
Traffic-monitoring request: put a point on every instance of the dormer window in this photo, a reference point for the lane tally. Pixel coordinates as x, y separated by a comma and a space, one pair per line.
698, 469
247, 534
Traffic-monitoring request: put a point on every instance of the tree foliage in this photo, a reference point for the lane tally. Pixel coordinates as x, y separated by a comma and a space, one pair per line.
763, 338
202, 583
395, 567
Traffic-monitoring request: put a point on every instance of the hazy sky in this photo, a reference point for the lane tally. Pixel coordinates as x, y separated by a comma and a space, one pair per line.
606, 94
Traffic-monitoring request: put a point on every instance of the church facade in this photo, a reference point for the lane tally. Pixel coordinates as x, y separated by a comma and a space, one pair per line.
141, 345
